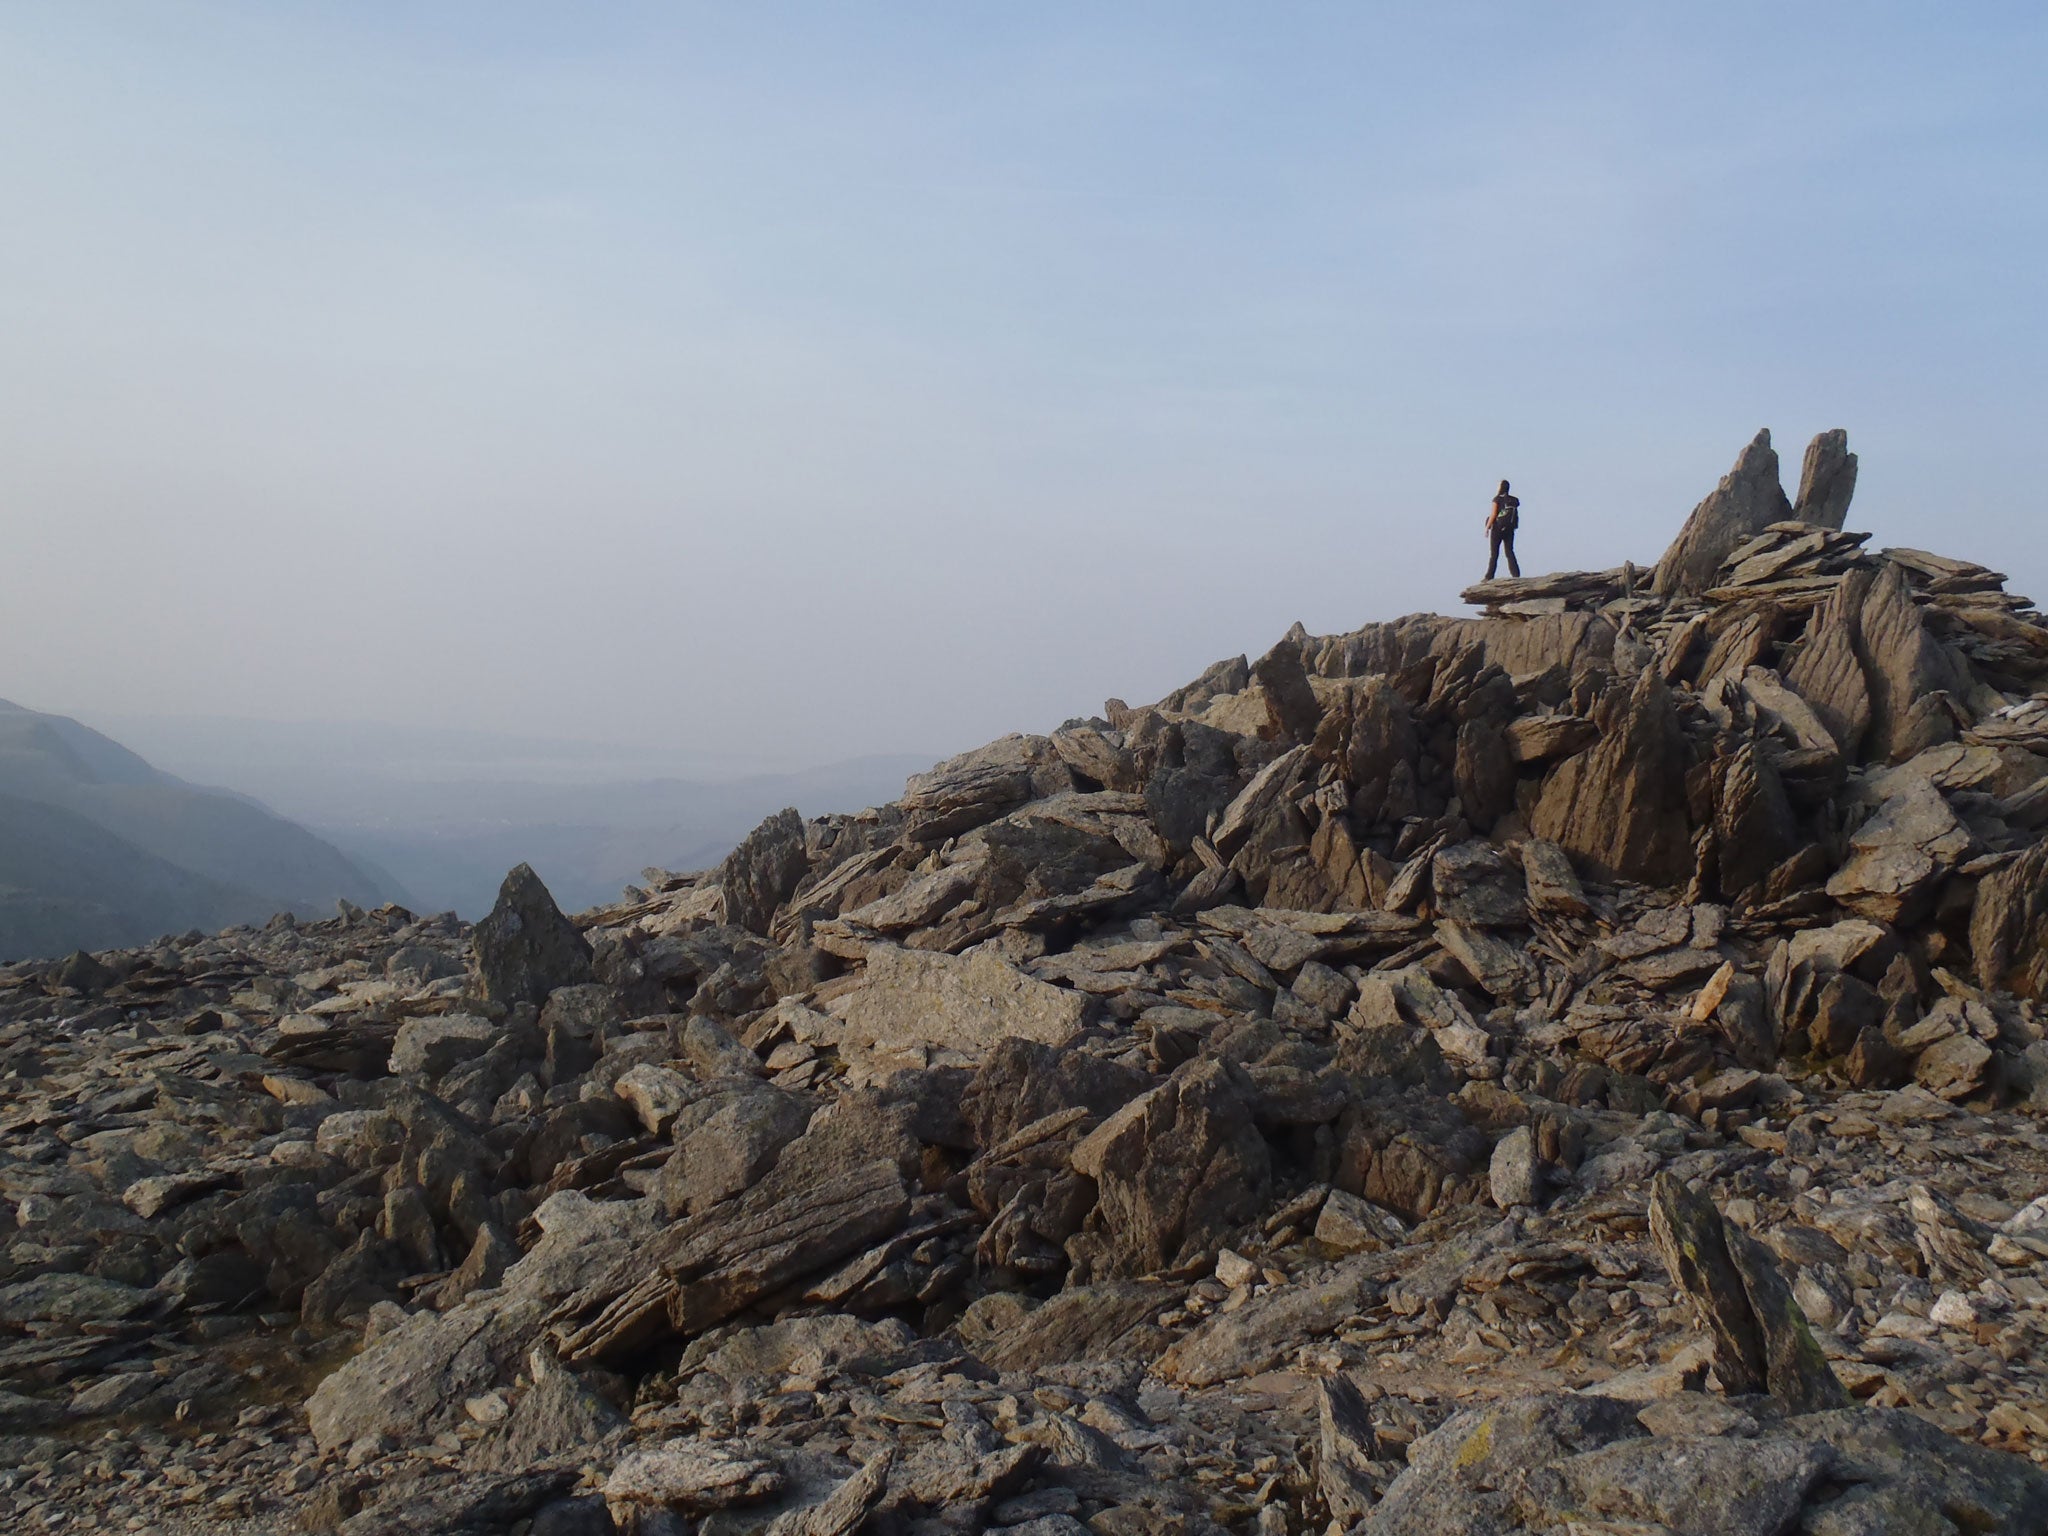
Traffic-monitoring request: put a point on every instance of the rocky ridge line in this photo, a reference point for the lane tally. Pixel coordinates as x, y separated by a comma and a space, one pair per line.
1573, 1069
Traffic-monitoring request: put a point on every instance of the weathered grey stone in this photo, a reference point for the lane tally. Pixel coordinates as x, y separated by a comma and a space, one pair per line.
1748, 500
725, 1142
692, 1477
759, 875
965, 1004
845, 1508
1175, 1169
525, 947
434, 1046
556, 1417
1515, 1174
1827, 480
2009, 926
976, 787
1267, 1329
1898, 858
68, 1299
1621, 806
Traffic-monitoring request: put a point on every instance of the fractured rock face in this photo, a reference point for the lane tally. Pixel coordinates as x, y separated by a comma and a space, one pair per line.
1827, 479
2009, 926
1748, 500
963, 1004
1621, 806
1898, 858
1175, 1170
758, 876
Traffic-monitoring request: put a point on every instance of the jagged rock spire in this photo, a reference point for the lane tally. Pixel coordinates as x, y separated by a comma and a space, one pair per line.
1826, 481
1747, 501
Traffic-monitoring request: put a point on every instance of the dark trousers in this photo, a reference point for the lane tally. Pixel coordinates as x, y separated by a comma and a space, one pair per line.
1498, 540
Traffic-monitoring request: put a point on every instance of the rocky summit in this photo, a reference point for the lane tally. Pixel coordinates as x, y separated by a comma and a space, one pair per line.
1574, 1068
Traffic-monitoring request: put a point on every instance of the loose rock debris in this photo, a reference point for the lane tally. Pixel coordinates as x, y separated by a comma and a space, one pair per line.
1578, 1068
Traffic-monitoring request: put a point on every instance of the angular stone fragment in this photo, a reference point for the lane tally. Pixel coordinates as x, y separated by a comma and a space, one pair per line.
1553, 883
1621, 806
1954, 1068
1515, 1174
1911, 672
1761, 1338
2009, 926
1350, 1224
800, 1220
1083, 1322
1266, 1329
692, 1477
1694, 1486
434, 1046
1176, 1169
556, 1417
976, 787
1898, 858
1346, 1446
964, 1003
655, 1094
845, 1508
1827, 670
1755, 830
525, 947
758, 876
726, 1140
1748, 500
1827, 480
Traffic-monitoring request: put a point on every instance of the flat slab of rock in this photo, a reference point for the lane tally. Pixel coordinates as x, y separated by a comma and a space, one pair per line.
692, 1477
961, 1003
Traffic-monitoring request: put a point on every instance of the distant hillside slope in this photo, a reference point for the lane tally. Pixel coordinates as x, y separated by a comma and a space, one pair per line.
97, 847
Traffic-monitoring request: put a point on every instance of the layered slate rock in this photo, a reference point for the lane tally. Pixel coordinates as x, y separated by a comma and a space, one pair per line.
1899, 857
1621, 806
963, 1005
1827, 481
525, 948
1175, 1169
759, 876
2009, 926
1239, 1081
1748, 500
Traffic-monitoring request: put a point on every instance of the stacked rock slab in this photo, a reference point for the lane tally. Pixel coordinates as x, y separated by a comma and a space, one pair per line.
1575, 1067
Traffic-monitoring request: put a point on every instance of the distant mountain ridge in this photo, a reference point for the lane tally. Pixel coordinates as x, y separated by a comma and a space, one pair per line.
98, 848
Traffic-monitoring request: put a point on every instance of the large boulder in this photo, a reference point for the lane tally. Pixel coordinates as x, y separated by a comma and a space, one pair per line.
1827, 668
1885, 686
1914, 676
526, 948
1579, 1462
1827, 480
1747, 501
759, 875
2009, 926
1899, 857
1175, 1170
1410, 1152
1023, 1081
976, 787
1621, 806
915, 1002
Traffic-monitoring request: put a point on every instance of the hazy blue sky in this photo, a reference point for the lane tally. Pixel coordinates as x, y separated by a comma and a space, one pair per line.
803, 381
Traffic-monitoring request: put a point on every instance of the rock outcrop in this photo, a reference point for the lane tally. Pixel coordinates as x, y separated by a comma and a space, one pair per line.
1576, 1068
1747, 501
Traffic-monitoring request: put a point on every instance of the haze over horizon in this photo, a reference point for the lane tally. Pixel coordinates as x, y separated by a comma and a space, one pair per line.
802, 384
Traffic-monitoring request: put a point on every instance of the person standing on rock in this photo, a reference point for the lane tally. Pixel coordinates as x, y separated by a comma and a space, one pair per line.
1501, 523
